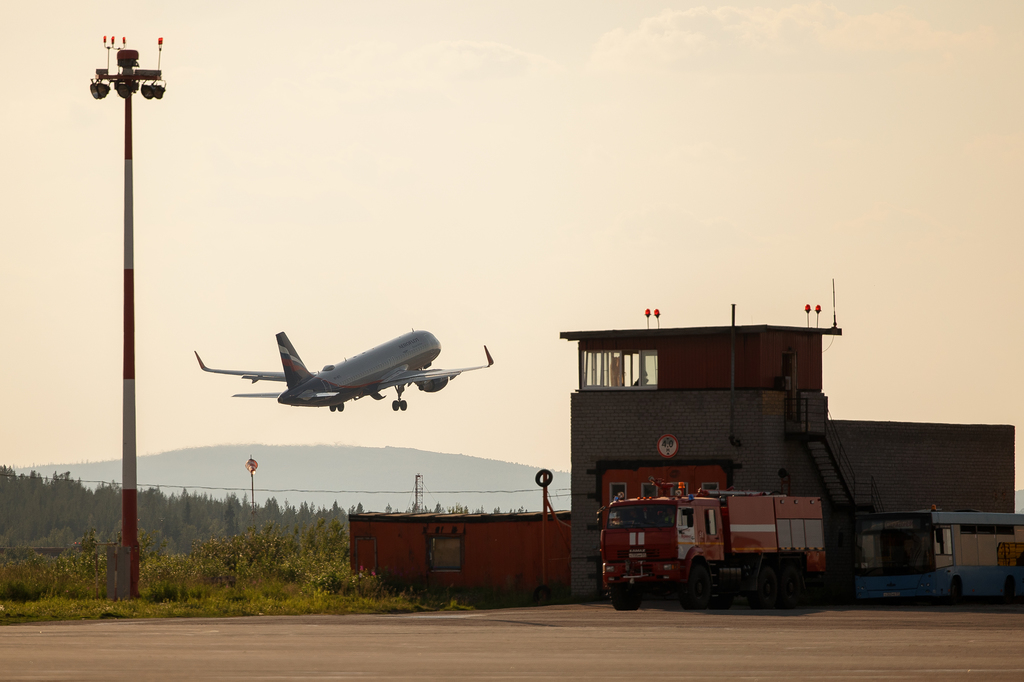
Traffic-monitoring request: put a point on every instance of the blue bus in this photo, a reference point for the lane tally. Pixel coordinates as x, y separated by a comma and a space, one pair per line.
943, 556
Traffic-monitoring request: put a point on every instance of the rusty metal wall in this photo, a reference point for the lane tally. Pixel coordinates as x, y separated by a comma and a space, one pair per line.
500, 551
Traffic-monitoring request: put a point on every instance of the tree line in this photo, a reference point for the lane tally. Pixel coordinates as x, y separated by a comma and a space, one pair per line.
37, 511
57, 511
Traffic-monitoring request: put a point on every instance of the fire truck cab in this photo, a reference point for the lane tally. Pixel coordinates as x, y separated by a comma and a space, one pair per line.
711, 547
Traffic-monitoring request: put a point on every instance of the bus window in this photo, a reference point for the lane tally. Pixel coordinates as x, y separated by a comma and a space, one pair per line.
901, 546
943, 547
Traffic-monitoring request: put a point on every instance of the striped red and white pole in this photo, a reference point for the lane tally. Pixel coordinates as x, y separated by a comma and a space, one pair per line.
129, 472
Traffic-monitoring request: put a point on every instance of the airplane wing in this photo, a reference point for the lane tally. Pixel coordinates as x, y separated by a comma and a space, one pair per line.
411, 377
245, 374
256, 395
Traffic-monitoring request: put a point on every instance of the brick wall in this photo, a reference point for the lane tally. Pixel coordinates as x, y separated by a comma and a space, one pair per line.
953, 466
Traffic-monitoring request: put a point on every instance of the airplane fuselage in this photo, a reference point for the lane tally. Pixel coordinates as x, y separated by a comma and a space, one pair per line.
362, 375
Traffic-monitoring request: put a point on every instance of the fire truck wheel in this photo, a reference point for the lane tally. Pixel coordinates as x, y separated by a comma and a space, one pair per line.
767, 590
789, 587
696, 592
720, 602
625, 599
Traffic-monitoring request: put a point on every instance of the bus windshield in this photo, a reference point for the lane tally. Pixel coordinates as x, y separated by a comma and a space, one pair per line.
893, 546
642, 516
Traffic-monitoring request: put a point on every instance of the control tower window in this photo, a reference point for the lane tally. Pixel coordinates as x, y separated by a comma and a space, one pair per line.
619, 369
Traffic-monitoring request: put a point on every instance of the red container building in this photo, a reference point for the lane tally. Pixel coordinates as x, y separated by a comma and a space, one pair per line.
503, 551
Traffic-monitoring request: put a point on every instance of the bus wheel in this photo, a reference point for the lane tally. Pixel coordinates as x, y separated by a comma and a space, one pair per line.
956, 591
696, 592
789, 587
720, 602
625, 599
1009, 590
767, 590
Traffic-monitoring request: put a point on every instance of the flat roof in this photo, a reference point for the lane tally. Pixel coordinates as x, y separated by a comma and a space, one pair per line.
697, 331
452, 518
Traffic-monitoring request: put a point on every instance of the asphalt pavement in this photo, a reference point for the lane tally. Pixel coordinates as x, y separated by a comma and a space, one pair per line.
584, 641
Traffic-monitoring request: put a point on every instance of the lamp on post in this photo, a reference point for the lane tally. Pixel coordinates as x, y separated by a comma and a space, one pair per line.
126, 82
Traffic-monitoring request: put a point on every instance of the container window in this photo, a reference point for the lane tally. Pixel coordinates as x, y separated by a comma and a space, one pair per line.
616, 490
648, 490
445, 554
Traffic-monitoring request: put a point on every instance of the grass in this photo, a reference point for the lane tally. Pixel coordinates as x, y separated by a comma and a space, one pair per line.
264, 572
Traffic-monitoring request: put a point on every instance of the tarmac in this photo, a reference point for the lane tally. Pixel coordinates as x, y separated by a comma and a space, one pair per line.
583, 641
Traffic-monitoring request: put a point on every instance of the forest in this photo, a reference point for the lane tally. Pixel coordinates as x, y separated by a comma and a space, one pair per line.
56, 511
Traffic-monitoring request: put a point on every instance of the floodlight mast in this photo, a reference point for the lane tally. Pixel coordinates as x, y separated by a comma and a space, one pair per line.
126, 83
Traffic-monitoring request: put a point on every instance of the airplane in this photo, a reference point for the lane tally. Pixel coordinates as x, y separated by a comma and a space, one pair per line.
397, 364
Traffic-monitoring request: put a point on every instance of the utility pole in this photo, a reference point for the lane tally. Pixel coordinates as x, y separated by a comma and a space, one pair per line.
126, 83
251, 466
417, 505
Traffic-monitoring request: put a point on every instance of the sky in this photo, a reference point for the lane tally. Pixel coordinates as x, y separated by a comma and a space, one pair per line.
497, 173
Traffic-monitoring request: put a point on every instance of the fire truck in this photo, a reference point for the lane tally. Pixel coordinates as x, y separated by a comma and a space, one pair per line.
712, 547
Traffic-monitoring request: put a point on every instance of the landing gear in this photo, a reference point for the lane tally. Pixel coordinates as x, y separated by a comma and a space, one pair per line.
337, 408
399, 404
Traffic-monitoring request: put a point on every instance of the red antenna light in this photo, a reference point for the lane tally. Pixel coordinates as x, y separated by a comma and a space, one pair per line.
124, 41
648, 314
807, 309
104, 40
159, 41
657, 316
817, 315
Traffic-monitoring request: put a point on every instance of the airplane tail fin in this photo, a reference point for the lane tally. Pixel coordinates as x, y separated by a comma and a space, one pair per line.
294, 371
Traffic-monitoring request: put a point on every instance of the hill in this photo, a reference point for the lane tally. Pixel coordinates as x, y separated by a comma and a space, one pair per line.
321, 475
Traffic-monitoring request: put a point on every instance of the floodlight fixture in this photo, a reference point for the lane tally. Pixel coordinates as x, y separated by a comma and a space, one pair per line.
152, 91
125, 88
99, 90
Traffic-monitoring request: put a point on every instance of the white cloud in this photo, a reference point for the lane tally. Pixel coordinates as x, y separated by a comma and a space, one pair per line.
677, 37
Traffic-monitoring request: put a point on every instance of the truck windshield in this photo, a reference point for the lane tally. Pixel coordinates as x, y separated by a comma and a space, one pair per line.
642, 516
893, 546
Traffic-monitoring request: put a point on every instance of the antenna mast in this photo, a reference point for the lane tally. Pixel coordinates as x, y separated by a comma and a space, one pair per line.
834, 325
417, 505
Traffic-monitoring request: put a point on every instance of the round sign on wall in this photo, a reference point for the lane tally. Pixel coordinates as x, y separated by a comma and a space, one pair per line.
668, 446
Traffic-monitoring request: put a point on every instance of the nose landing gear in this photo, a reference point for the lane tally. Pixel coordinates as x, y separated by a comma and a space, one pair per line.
337, 408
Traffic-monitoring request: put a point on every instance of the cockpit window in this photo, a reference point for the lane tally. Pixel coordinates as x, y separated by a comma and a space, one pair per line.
642, 516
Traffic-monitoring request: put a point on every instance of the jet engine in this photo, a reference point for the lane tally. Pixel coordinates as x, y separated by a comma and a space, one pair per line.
433, 385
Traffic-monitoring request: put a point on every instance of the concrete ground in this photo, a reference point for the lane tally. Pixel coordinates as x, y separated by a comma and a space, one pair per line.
586, 641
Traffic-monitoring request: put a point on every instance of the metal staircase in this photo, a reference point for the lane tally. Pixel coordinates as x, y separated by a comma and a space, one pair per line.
808, 421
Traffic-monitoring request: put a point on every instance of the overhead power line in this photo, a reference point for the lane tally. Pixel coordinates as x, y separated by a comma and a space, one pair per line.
302, 490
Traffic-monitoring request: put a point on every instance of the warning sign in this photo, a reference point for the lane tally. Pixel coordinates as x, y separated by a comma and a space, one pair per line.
668, 446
